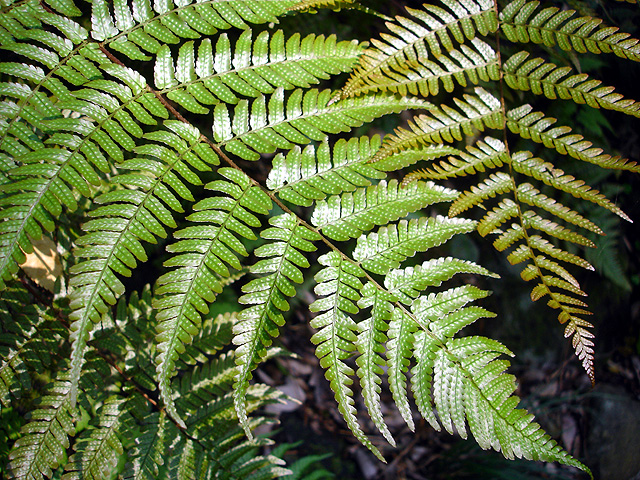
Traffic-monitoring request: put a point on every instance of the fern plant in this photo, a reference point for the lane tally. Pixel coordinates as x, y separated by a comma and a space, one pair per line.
142, 119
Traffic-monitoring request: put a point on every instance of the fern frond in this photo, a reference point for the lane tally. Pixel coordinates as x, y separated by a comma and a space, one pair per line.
257, 66
28, 338
545, 78
303, 117
487, 154
112, 244
411, 41
408, 156
148, 453
445, 124
498, 183
459, 67
534, 125
407, 283
526, 164
370, 343
203, 253
304, 176
338, 284
385, 249
551, 26
145, 27
281, 261
97, 450
349, 215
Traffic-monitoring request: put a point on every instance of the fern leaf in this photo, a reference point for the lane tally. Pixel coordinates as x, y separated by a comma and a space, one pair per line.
547, 173
148, 454
534, 125
411, 40
385, 249
444, 124
370, 344
545, 78
349, 215
112, 244
203, 253
303, 176
335, 338
303, 117
551, 26
408, 156
487, 154
407, 283
258, 66
97, 450
258, 323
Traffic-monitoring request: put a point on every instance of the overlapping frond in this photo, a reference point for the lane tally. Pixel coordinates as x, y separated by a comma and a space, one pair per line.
539, 128
546, 78
553, 26
128, 217
302, 176
339, 285
144, 28
381, 251
28, 340
215, 74
204, 255
445, 125
349, 215
430, 30
268, 124
280, 263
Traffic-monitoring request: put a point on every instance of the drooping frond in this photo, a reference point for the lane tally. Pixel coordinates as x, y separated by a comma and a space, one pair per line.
428, 30
445, 124
554, 26
303, 176
381, 251
545, 78
534, 125
338, 284
256, 66
350, 214
112, 244
204, 254
268, 124
281, 261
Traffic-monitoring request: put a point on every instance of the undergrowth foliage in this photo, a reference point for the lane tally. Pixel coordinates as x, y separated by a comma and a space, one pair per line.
139, 120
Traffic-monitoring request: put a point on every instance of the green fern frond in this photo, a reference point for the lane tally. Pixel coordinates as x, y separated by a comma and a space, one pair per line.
258, 66
545, 78
498, 183
370, 343
351, 214
302, 177
203, 253
98, 449
148, 453
281, 261
303, 116
338, 283
145, 27
113, 242
551, 26
445, 124
381, 251
410, 41
407, 283
487, 154
534, 125
408, 156
459, 67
